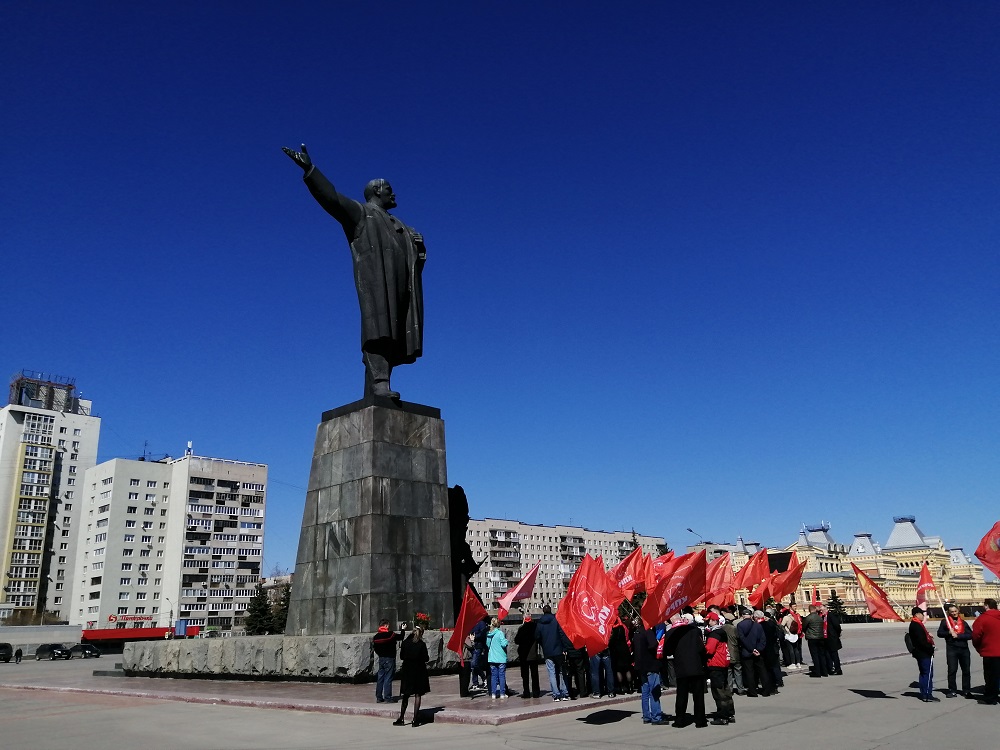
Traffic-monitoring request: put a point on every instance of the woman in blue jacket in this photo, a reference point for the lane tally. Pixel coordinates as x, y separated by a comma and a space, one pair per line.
496, 647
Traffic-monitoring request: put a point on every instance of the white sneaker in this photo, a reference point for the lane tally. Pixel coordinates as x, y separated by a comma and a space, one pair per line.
503, 697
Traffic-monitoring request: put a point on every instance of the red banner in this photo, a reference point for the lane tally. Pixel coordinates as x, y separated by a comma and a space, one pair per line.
472, 611
590, 606
663, 566
925, 584
876, 599
988, 550
682, 587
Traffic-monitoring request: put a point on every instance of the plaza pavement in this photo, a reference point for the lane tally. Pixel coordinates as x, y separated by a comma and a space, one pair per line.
62, 705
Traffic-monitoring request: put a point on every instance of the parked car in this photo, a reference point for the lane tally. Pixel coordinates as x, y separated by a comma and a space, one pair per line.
6, 652
52, 651
84, 651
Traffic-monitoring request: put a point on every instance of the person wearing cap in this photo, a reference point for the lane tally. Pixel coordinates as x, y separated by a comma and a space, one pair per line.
717, 652
753, 643
923, 652
384, 646
733, 640
528, 656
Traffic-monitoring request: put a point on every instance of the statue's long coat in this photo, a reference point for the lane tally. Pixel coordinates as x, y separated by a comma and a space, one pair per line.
387, 272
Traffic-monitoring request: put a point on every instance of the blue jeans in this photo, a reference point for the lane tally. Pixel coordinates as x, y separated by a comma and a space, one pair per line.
478, 662
600, 664
557, 682
498, 679
383, 683
926, 667
651, 698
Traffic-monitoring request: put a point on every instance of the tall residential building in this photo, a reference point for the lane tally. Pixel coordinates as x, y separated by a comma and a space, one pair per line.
172, 539
509, 549
48, 439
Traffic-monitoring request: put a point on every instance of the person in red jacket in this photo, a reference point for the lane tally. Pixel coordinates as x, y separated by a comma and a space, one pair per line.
986, 639
717, 650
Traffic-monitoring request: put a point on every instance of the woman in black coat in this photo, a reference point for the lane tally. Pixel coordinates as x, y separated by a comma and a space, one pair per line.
413, 675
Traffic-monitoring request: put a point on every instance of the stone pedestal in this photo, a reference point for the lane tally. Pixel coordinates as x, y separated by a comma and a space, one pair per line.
375, 537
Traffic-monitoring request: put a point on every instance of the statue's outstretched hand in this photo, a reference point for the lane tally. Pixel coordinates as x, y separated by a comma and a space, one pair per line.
299, 157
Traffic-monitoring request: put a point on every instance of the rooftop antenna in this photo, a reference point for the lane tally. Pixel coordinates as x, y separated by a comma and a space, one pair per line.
187, 451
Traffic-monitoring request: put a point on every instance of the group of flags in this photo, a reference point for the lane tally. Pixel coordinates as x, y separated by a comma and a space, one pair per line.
589, 610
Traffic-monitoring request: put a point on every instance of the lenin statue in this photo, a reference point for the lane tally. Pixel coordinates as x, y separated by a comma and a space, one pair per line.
388, 260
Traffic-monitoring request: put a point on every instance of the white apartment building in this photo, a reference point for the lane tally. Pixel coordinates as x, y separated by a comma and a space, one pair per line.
509, 549
48, 440
172, 539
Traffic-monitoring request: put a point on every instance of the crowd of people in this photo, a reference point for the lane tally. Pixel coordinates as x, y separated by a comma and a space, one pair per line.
736, 651
729, 651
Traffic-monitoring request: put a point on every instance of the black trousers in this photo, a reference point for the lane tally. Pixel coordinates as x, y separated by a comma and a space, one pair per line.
529, 671
576, 673
991, 674
695, 687
817, 652
723, 696
754, 673
958, 656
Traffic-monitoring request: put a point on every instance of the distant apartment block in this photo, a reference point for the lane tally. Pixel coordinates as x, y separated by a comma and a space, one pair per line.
48, 440
509, 549
172, 539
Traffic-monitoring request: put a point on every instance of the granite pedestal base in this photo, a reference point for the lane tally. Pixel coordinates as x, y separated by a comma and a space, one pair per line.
375, 536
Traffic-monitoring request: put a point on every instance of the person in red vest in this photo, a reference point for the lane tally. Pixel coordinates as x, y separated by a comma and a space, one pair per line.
986, 639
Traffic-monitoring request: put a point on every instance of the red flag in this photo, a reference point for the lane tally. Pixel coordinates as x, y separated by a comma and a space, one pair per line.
988, 550
628, 574
648, 575
756, 570
663, 566
590, 606
718, 573
786, 583
682, 587
472, 611
522, 590
759, 596
816, 599
925, 584
876, 599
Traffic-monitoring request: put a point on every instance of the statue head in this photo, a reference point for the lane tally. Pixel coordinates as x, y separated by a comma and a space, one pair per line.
380, 193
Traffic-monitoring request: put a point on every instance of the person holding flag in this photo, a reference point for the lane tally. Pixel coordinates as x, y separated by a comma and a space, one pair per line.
957, 635
923, 651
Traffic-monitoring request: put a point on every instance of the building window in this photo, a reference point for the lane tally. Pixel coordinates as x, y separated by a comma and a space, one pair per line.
133, 482
123, 610
126, 566
131, 509
124, 581
148, 511
127, 552
133, 496
122, 596
129, 538
150, 483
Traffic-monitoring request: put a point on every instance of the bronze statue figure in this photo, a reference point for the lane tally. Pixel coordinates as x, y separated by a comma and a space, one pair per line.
388, 260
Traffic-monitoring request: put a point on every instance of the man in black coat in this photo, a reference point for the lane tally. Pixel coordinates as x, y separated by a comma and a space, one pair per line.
753, 643
527, 655
684, 641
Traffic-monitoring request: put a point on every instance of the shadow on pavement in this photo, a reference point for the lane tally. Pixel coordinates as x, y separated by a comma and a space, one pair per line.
872, 694
607, 716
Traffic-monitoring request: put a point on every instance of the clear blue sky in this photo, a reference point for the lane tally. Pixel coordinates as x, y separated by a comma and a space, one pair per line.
727, 266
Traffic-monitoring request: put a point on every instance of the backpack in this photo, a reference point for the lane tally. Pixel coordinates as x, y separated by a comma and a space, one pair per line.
909, 642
